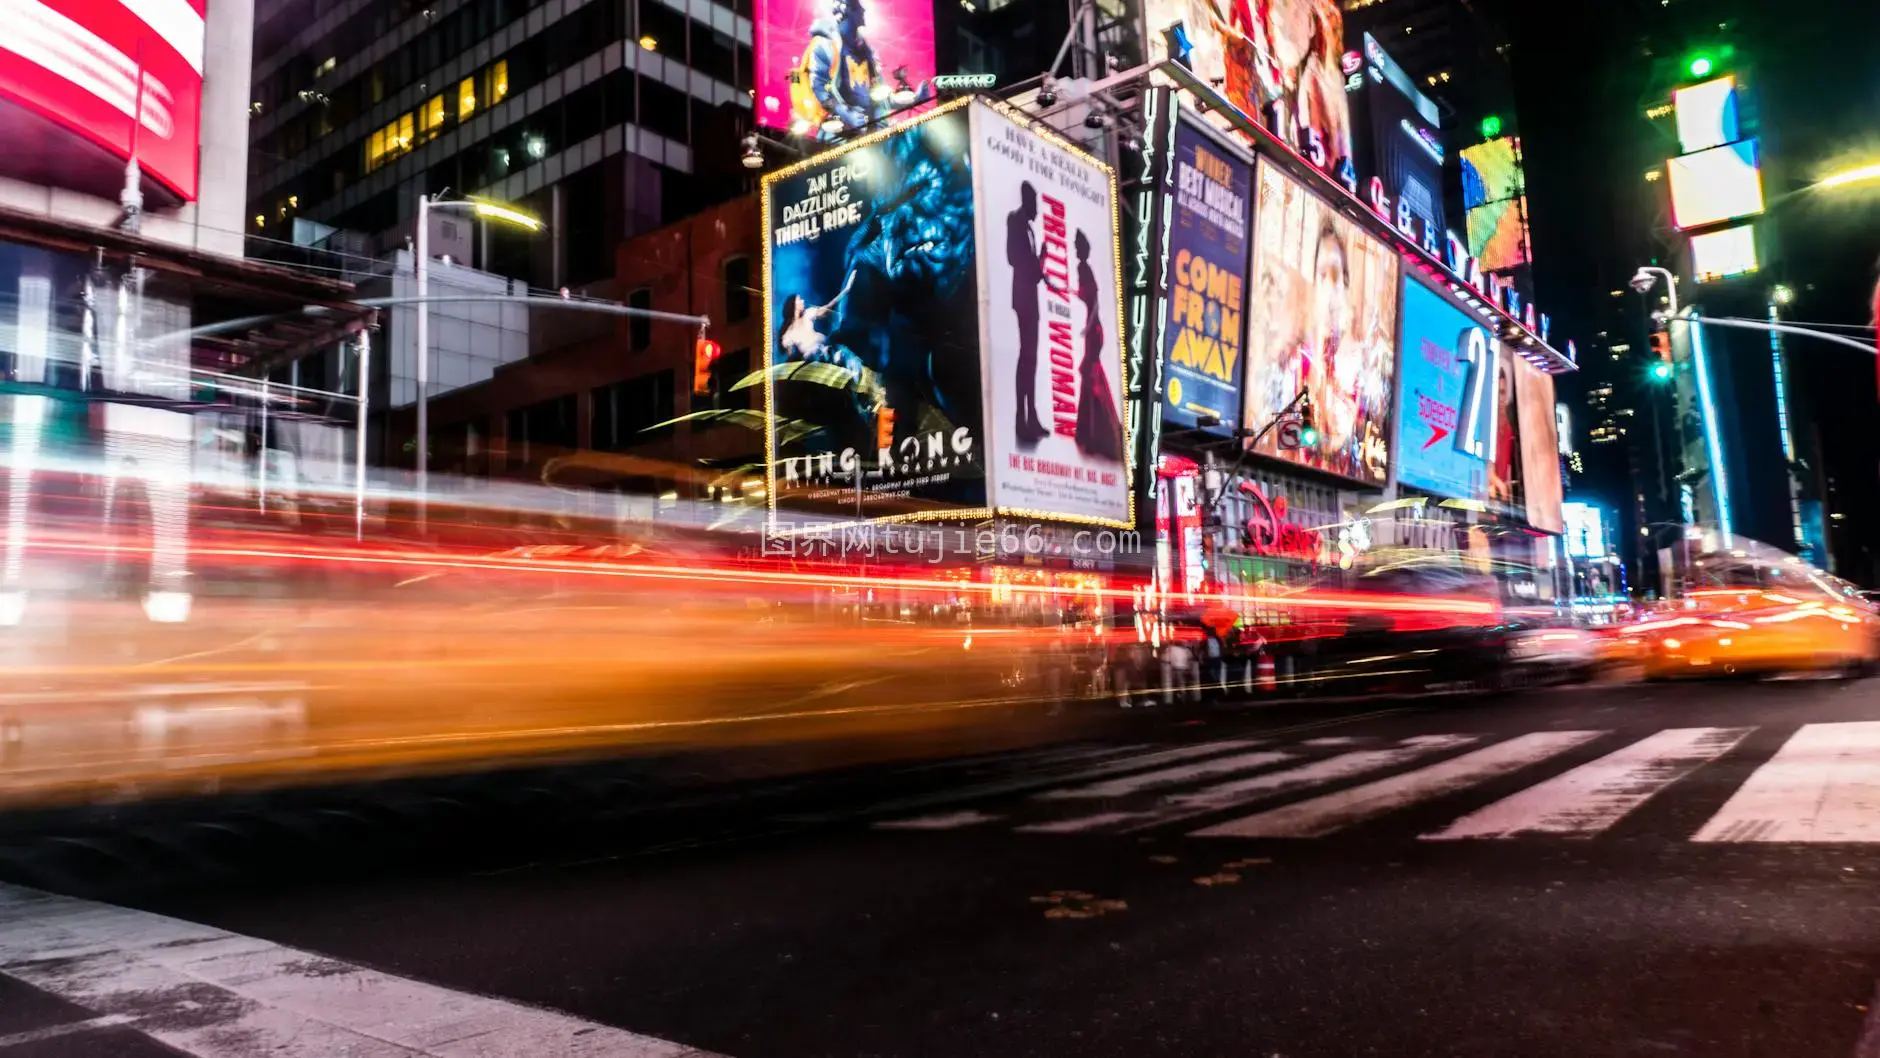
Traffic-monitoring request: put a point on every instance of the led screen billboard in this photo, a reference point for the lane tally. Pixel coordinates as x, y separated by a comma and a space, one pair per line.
1404, 151
1540, 447
1706, 114
1445, 418
1722, 254
1324, 321
1493, 193
76, 65
1051, 321
1722, 183
1585, 531
1204, 322
872, 323
1280, 61
828, 68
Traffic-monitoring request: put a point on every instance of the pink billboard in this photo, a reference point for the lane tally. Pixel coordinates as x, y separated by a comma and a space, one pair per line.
77, 64
832, 68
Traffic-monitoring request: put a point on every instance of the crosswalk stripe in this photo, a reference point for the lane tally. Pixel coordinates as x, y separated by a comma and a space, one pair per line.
1823, 785
939, 821
1175, 776
1594, 796
1029, 783
1222, 796
1335, 811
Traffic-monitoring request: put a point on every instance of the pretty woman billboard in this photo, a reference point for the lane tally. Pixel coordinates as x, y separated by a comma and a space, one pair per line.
1051, 323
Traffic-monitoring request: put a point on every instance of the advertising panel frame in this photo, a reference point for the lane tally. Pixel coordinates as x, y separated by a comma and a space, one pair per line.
1002, 476
772, 306
1455, 432
782, 79
1378, 427
1167, 335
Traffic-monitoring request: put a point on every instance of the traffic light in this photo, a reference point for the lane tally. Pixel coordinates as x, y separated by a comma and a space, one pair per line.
704, 355
884, 427
1661, 371
1661, 347
1308, 425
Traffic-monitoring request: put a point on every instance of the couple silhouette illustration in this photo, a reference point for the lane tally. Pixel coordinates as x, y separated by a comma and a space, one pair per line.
1099, 432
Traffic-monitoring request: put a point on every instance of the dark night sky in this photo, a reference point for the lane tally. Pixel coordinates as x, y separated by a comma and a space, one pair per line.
1585, 73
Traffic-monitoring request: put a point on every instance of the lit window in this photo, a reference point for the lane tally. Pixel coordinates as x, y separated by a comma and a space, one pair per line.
432, 117
405, 130
375, 150
466, 98
260, 221
496, 82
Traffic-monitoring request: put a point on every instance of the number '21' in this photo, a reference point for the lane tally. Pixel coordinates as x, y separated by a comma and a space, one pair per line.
1479, 353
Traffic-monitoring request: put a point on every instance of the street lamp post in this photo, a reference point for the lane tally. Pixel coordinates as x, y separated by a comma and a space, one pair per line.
422, 273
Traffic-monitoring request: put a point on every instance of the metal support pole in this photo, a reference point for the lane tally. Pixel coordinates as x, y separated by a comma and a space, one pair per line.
262, 478
359, 445
422, 270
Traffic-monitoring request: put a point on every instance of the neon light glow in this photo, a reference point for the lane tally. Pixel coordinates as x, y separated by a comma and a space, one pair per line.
1713, 442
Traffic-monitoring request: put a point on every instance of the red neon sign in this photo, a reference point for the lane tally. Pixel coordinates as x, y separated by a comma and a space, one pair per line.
76, 63
1269, 534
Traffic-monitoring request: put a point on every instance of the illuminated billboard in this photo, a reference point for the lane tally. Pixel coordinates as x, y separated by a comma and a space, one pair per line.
1280, 61
1722, 183
1585, 530
831, 68
1721, 254
76, 66
1051, 324
1494, 194
1706, 114
943, 318
1204, 321
1446, 415
1402, 150
1324, 321
872, 324
1540, 446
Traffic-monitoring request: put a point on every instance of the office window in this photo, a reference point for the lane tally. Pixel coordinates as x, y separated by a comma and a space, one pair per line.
431, 118
542, 430
729, 370
496, 83
406, 133
625, 412
375, 150
639, 328
466, 98
737, 279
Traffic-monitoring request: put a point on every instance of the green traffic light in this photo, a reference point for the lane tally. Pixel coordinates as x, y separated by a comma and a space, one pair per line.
1309, 437
1701, 66
1491, 126
1661, 371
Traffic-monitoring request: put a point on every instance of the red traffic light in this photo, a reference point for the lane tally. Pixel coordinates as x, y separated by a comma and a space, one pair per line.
704, 354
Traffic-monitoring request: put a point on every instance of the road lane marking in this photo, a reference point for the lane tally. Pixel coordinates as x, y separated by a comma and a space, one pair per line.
1175, 776
1222, 796
939, 821
1332, 812
1823, 785
1585, 801
1027, 784
214, 994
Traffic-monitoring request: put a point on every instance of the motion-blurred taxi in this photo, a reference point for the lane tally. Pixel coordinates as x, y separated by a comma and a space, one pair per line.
1758, 611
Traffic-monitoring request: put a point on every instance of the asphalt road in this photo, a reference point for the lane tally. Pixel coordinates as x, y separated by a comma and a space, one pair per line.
1686, 870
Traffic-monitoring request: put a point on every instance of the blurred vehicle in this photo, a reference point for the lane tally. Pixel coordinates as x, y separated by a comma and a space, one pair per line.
1439, 626
1752, 609
1555, 648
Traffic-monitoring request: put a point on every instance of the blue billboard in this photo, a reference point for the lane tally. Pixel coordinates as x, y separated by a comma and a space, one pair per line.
1203, 330
1447, 422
